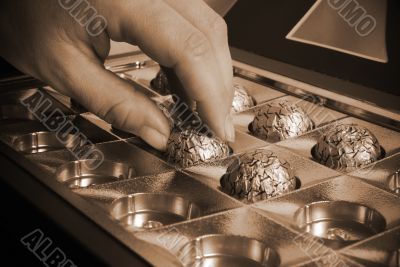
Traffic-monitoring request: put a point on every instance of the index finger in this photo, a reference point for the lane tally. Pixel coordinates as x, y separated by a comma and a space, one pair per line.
174, 42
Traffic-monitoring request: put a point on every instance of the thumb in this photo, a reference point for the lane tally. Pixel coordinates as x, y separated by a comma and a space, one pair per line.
103, 93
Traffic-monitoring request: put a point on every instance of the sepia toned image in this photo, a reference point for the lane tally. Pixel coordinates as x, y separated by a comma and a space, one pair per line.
200, 133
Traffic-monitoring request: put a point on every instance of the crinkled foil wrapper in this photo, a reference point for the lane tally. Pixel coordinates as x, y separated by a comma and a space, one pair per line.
241, 98
277, 121
189, 147
179, 115
347, 147
258, 175
160, 84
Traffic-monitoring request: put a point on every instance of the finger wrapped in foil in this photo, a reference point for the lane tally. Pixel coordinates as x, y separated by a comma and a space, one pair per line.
160, 83
258, 175
280, 120
241, 98
347, 147
189, 147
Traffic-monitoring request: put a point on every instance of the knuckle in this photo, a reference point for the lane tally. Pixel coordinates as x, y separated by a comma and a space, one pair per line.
116, 114
218, 26
196, 45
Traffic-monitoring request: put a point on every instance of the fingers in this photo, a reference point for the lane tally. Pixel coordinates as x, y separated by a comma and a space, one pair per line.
214, 27
174, 42
111, 98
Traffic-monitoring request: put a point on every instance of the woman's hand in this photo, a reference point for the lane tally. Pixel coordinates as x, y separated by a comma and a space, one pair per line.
50, 41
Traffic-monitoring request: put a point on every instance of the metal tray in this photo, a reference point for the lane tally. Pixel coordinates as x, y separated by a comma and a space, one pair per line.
154, 208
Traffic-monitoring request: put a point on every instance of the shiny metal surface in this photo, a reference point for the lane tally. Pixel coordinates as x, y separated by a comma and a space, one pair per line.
131, 66
357, 107
224, 250
290, 209
145, 211
381, 250
162, 191
243, 222
394, 183
39, 142
339, 223
80, 173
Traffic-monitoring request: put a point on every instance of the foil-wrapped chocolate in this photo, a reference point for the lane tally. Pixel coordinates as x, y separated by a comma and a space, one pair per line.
178, 113
189, 147
347, 147
280, 120
160, 83
241, 98
258, 175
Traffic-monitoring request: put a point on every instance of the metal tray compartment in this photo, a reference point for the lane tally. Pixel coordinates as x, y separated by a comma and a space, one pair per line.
77, 126
331, 258
158, 200
119, 156
320, 115
228, 250
243, 222
12, 110
339, 223
211, 173
144, 211
38, 142
84, 173
384, 174
379, 251
339, 211
303, 145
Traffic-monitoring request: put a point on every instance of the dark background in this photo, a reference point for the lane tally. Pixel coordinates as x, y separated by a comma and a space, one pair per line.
260, 26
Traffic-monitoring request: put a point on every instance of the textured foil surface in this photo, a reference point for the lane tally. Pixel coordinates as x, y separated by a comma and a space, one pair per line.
347, 147
258, 175
280, 120
178, 114
241, 98
160, 84
189, 147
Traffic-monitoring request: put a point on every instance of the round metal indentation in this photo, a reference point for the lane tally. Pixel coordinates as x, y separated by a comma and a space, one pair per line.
339, 223
84, 173
394, 183
228, 250
143, 211
15, 112
38, 142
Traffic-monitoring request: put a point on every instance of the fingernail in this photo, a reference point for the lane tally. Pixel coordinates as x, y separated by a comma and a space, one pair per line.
229, 129
154, 138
